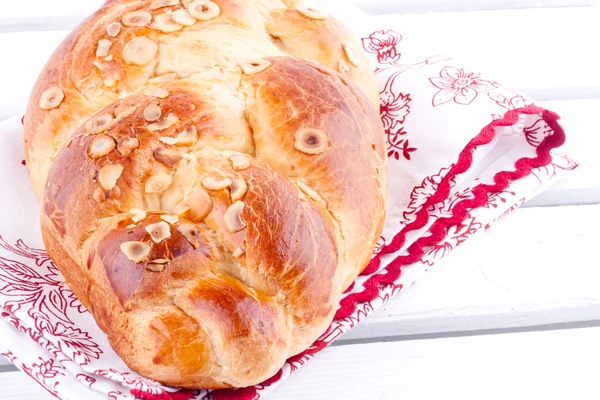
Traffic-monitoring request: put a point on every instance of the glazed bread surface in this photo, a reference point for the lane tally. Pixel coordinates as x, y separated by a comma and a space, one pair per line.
212, 177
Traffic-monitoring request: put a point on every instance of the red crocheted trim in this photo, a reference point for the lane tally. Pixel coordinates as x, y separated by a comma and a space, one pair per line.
440, 227
180, 395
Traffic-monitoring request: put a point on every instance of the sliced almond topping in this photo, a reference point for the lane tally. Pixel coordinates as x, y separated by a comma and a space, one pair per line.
152, 113
238, 189
159, 231
252, 67
310, 141
182, 17
104, 46
191, 233
312, 13
186, 3
156, 267
181, 209
156, 92
163, 124
108, 175
127, 144
135, 251
168, 140
307, 190
168, 157
233, 217
51, 98
137, 18
239, 162
137, 214
238, 253
203, 10
212, 183
160, 261
101, 146
188, 137
130, 226
113, 29
199, 203
351, 53
172, 219
99, 123
139, 51
158, 183
109, 58
343, 66
160, 79
99, 195
165, 23
155, 5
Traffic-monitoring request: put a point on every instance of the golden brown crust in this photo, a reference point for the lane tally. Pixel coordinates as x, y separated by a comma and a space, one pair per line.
207, 192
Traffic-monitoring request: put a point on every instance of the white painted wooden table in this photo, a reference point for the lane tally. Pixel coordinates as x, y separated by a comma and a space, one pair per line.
485, 323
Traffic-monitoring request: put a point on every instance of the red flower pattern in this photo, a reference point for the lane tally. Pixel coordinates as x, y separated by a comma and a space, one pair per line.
383, 43
537, 132
460, 85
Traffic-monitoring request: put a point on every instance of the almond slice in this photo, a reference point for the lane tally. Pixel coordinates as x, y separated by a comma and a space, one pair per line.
139, 51
182, 17
199, 203
127, 144
180, 209
188, 137
101, 146
238, 252
203, 10
113, 29
99, 195
51, 98
137, 214
239, 162
312, 13
168, 157
352, 54
154, 91
311, 141
152, 113
168, 140
159, 231
212, 183
135, 251
99, 123
233, 217
158, 183
104, 46
238, 189
165, 23
171, 219
254, 66
191, 233
108, 176
155, 266
155, 5
137, 18
164, 124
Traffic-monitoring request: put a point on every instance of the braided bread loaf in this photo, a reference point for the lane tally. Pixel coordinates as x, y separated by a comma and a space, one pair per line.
212, 177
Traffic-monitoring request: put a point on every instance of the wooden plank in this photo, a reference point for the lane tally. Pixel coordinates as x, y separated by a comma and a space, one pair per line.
551, 365
533, 50
18, 16
548, 66
537, 267
18, 386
